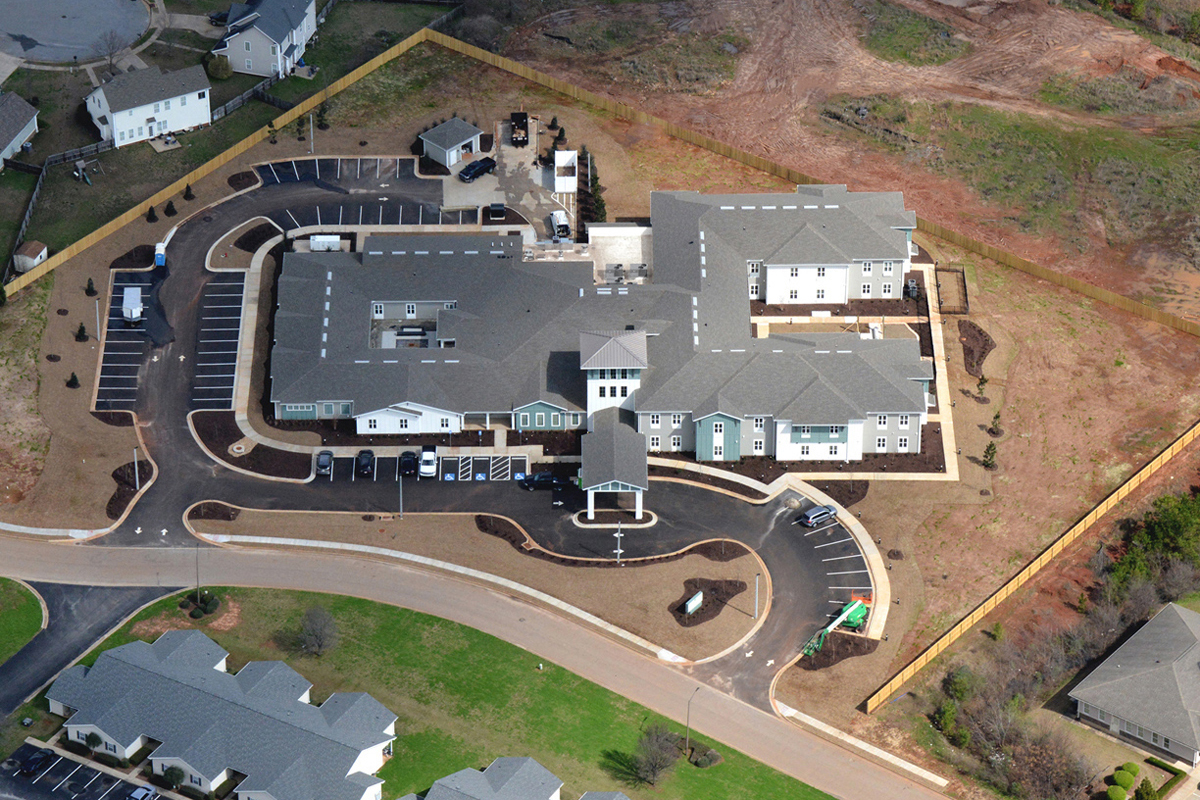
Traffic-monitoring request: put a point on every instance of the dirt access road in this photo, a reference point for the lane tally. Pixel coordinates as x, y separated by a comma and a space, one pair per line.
802, 52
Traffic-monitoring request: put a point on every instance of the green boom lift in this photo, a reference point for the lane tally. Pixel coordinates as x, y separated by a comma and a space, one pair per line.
853, 615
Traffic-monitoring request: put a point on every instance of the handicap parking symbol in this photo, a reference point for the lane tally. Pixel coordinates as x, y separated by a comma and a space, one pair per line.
518, 476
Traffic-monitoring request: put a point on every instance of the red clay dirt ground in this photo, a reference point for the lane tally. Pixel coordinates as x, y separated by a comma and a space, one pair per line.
789, 69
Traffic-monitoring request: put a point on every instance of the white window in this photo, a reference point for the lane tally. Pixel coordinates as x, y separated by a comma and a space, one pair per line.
866, 290
794, 272
372, 424
755, 266
525, 419
820, 272
402, 423
805, 430
445, 423
200, 95
131, 133
624, 391
122, 135
410, 310
183, 101
140, 131
887, 268
903, 420
718, 429
246, 45
602, 391
157, 107
196, 781
754, 291
820, 294
612, 391
718, 452
833, 450
112, 748
166, 105
793, 295
759, 447
676, 443
453, 304
866, 268
654, 443
759, 424
902, 444
377, 310
880, 444
835, 430
274, 50
881, 421
655, 421
804, 450
575, 420
887, 290
676, 420
539, 419
81, 736
249, 63
329, 409
555, 420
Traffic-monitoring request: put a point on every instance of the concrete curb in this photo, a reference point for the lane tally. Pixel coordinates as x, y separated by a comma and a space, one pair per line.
41, 601
503, 583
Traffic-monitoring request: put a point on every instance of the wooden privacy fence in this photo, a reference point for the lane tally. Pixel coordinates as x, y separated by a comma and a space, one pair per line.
1031, 569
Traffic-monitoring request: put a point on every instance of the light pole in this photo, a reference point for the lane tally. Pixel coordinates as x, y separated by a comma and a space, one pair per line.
756, 577
687, 741
137, 480
618, 551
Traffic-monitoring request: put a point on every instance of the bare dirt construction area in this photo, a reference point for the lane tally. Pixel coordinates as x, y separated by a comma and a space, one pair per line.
785, 73
639, 598
1086, 394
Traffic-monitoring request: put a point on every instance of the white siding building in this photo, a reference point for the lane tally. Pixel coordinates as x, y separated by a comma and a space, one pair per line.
268, 37
140, 105
18, 124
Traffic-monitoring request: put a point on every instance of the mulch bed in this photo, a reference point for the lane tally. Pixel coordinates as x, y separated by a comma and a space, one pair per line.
427, 166
487, 142
502, 528
879, 307
708, 480
717, 595
242, 180
118, 419
976, 345
925, 338
838, 647
895, 555
126, 486
344, 432
219, 429
930, 459
139, 257
211, 509
554, 443
256, 237
845, 493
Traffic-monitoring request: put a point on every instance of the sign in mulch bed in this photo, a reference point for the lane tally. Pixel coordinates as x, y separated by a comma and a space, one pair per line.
219, 429
717, 595
213, 510
242, 180
139, 257
127, 486
495, 526
838, 647
256, 237
118, 419
976, 345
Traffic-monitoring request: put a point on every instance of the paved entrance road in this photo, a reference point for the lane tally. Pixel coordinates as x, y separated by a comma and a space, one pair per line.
757, 733
78, 617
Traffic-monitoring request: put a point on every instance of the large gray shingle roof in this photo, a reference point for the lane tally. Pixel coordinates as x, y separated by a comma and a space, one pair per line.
612, 350
132, 89
1153, 679
252, 722
613, 451
15, 114
503, 779
275, 18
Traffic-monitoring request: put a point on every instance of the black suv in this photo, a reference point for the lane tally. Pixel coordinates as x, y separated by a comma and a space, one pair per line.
36, 762
218, 18
408, 463
476, 168
543, 480
364, 463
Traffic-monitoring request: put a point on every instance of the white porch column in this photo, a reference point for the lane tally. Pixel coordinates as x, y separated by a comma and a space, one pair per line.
591, 503
637, 499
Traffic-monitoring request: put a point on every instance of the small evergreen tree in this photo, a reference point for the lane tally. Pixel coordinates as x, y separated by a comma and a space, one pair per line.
73, 381
994, 428
81, 333
170, 209
1145, 791
188, 194
90, 291
561, 137
93, 740
174, 776
553, 124
979, 387
989, 456
151, 215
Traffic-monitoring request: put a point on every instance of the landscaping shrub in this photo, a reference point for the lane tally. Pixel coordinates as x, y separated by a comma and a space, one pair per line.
1146, 791
1123, 779
78, 748
219, 68
1179, 775
170, 209
151, 215
73, 381
188, 194
81, 334
960, 683
1132, 768
196, 613
184, 603
212, 605
109, 760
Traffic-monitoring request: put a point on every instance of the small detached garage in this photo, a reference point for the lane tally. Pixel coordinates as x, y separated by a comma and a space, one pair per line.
449, 142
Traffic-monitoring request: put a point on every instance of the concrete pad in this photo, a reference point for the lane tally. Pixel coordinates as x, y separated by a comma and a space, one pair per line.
196, 22
9, 65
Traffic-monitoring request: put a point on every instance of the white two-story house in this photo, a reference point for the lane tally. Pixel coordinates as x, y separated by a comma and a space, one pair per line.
268, 37
140, 105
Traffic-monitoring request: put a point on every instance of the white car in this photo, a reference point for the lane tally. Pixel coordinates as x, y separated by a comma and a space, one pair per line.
428, 466
143, 793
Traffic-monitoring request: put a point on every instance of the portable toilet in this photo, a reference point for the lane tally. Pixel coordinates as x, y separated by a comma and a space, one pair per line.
160, 254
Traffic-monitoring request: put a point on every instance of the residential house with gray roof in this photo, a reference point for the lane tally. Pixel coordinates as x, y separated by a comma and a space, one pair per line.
256, 726
431, 333
145, 103
18, 124
268, 37
505, 779
1148, 690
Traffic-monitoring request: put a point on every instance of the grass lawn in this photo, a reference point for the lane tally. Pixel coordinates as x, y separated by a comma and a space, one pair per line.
20, 617
464, 698
895, 33
57, 96
352, 35
205, 7
67, 210
15, 190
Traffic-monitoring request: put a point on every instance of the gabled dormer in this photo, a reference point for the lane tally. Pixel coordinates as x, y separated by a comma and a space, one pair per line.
613, 362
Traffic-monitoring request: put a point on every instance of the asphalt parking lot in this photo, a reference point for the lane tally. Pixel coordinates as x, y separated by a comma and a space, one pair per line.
217, 345
841, 563
450, 468
65, 779
125, 344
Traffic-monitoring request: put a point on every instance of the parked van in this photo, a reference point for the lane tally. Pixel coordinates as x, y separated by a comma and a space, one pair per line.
131, 305
559, 225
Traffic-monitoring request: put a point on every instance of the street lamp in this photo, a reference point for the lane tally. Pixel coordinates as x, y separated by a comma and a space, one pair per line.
687, 742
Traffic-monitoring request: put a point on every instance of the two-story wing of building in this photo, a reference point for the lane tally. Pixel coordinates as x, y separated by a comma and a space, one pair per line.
140, 105
268, 37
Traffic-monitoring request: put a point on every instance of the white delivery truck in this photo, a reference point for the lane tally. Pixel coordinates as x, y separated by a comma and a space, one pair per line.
560, 227
131, 305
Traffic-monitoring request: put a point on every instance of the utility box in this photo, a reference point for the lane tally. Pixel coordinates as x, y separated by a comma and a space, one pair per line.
160, 254
325, 244
131, 305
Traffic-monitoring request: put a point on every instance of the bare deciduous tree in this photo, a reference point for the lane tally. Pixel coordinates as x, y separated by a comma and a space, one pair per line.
107, 46
657, 751
318, 631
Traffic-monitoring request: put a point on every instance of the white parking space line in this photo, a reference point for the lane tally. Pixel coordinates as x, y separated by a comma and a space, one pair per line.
109, 789
289, 213
849, 572
819, 530
47, 772
851, 587
842, 558
831, 544
215, 363
89, 783
273, 172
218, 341
69, 774
295, 170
